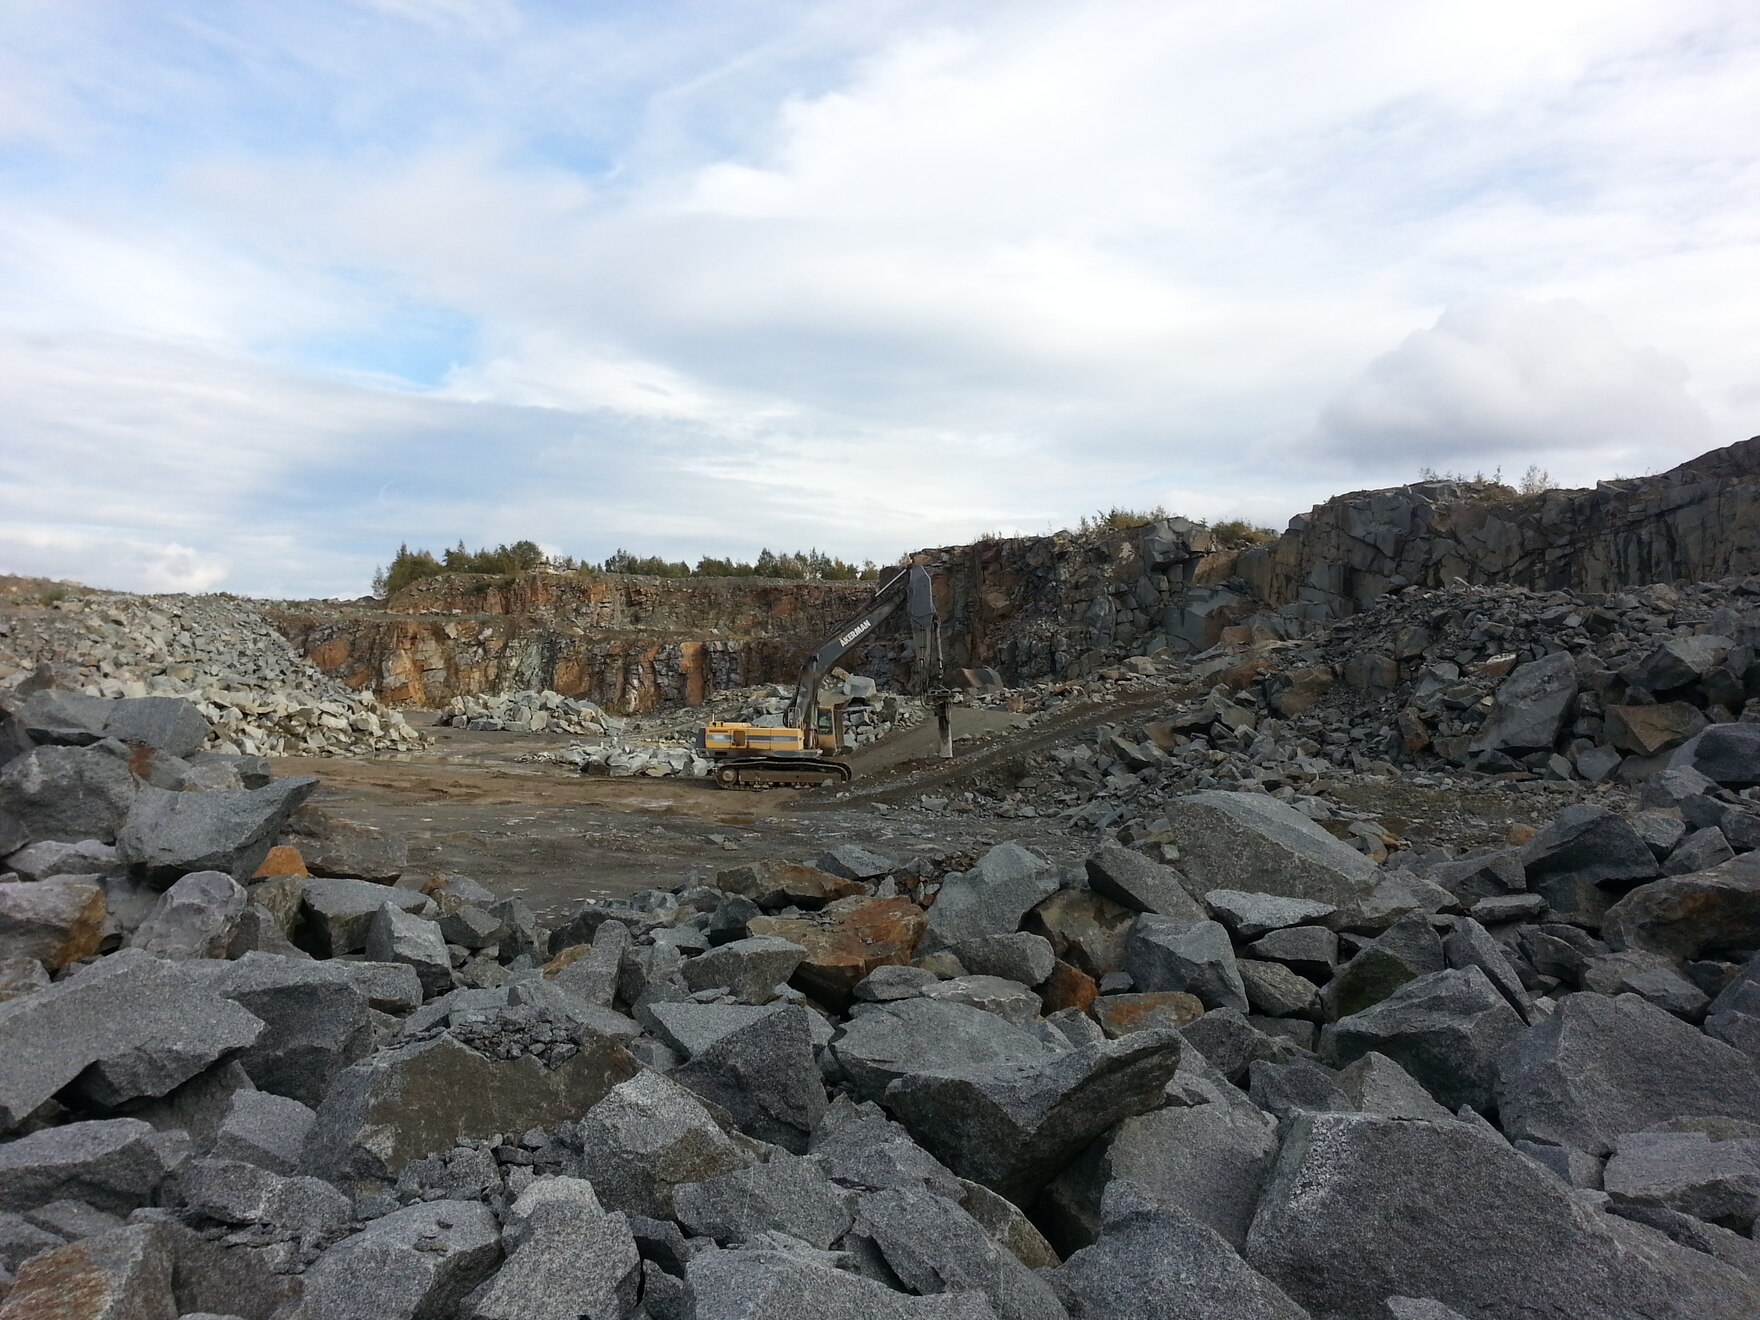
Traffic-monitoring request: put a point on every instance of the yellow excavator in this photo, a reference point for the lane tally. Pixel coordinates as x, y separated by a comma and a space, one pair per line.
801, 752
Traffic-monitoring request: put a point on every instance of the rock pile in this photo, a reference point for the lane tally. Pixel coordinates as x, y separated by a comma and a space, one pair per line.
260, 696
527, 712
248, 1068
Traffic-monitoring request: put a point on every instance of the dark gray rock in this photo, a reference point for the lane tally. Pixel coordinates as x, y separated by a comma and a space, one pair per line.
1482, 875
1256, 844
860, 1148
1153, 1262
1165, 953
169, 834
129, 1027
1706, 1168
1248, 916
1352, 1216
236, 1193
572, 1262
1405, 951
1469, 944
1599, 1068
786, 1194
396, 936
1132, 880
764, 1075
316, 1022
336, 914
51, 922
1531, 706
1018, 956
1586, 848
417, 1263
263, 1129
1300, 1086
1310, 951
1375, 1084
1009, 1000
646, 1138
1446, 1029
170, 724
1275, 990
66, 794
752, 968
990, 899
1699, 851
112, 1164
194, 918
1231, 1043
854, 862
1013, 1127
66, 719
1692, 916
933, 1246
1574, 1168
1726, 754
331, 846
593, 976
777, 1285
893, 1040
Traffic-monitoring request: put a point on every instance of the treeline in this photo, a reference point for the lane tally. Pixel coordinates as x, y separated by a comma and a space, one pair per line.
409, 566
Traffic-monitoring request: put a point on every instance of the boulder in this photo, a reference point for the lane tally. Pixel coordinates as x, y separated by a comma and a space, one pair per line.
1446, 1029
884, 984
237, 1193
168, 835
1019, 957
845, 942
1706, 1168
330, 846
593, 975
1276, 991
1196, 957
1405, 951
1310, 951
1249, 916
66, 794
417, 1263
785, 1195
752, 968
1680, 661
1352, 1216
1258, 845
397, 936
68, 719
773, 884
125, 1274
1586, 848
169, 724
1013, 1127
111, 1164
571, 1264
49, 859
129, 1027
889, 1041
1530, 707
194, 918
1699, 915
1651, 730
764, 1076
1119, 1015
1007, 999
315, 1021
406, 1102
51, 922
767, 1284
1086, 930
990, 899
1153, 1262
1131, 880
647, 1137
1599, 1068
335, 914
1726, 754
263, 1129
1375, 1084
854, 862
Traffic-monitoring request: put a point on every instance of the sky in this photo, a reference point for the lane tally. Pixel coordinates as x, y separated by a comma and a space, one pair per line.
284, 286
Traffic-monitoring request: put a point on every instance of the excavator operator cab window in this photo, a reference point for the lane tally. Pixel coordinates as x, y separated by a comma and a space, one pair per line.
823, 724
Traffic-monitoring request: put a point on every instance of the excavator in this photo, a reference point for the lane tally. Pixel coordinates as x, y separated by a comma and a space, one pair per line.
800, 753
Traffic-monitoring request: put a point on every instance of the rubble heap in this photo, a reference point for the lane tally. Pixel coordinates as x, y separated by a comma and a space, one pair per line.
250, 1067
260, 696
527, 712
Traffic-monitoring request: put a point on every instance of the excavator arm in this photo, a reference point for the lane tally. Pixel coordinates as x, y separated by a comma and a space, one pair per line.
909, 587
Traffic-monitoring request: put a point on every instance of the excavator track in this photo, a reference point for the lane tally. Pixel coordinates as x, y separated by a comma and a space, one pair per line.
780, 772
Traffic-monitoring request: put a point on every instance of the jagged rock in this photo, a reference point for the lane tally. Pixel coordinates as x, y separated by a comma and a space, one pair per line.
129, 1027
66, 794
170, 724
764, 1076
263, 1129
1691, 916
884, 984
1486, 874
20, 976
1196, 957
1310, 951
1133, 881
1531, 706
1726, 754
234, 1192
1351, 1216
125, 1274
1085, 930
396, 936
1230, 1043
334, 847
169, 834
933, 1247
336, 914
1300, 1086
846, 941
647, 1137
1207, 1161
774, 884
408, 1101
1275, 990
1249, 916
1651, 730
1153, 1262
1582, 852
68, 719
1706, 1168
890, 1041
1013, 1127
854, 862
113, 1164
990, 899
1375, 1084
860, 1148
1018, 956
572, 1263
49, 859
1446, 1029
315, 1016
1699, 851
786, 1194
51, 922
1007, 999
778, 1285
1470, 945
1119, 1015
593, 976
194, 918
751, 968
1405, 951
411, 1264
1256, 844
1599, 1068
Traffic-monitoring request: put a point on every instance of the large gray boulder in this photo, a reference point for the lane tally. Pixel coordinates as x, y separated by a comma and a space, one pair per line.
1585, 848
881, 1044
1706, 1168
416, 1263
1599, 1068
1131, 879
766, 1284
1361, 1208
646, 1138
66, 719
572, 1262
990, 899
66, 794
1013, 1127
169, 724
1194, 956
1704, 914
194, 918
335, 915
1153, 1262
1447, 1029
765, 1076
237, 1193
111, 1164
397, 936
1531, 706
1403, 952
752, 968
170, 834
316, 1022
129, 1027
1254, 843
330, 846
1726, 754
784, 1194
